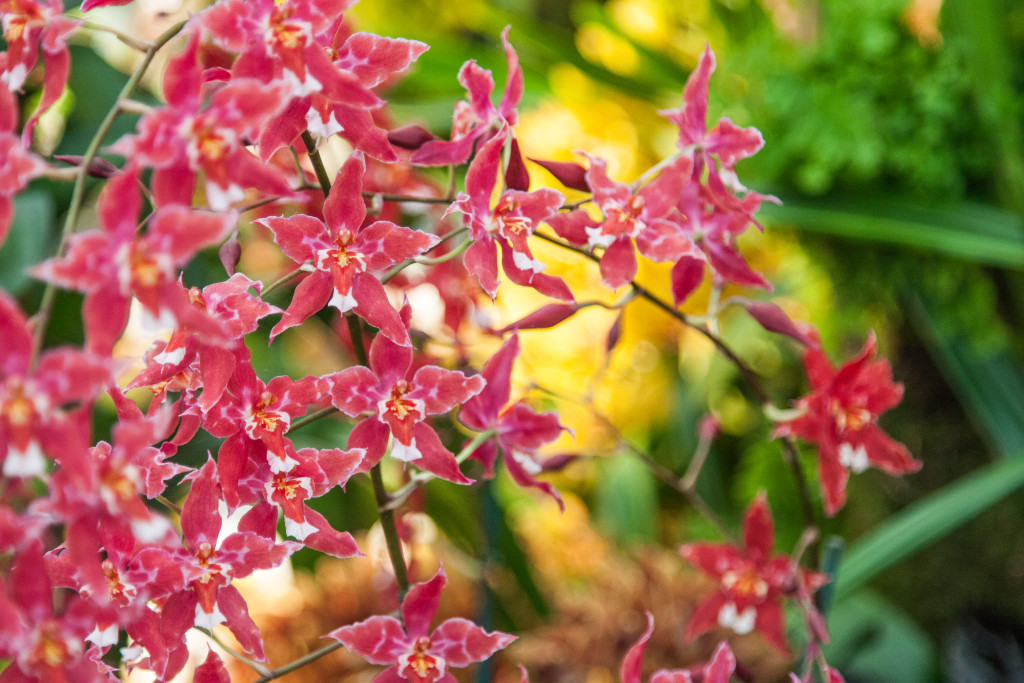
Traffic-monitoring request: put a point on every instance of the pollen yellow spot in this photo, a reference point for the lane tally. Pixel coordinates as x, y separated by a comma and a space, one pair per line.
745, 582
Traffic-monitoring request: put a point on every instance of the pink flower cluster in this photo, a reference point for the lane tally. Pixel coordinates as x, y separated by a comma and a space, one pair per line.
251, 78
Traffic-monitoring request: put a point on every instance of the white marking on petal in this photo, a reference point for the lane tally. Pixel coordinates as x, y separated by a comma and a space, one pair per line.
25, 463
524, 262
405, 453
14, 77
740, 622
151, 530
278, 464
157, 325
301, 88
526, 461
132, 653
208, 619
103, 638
597, 238
854, 458
170, 357
219, 199
316, 125
298, 530
343, 302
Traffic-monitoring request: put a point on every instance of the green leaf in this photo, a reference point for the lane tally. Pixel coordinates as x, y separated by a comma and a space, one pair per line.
988, 381
28, 241
927, 520
968, 232
627, 500
874, 641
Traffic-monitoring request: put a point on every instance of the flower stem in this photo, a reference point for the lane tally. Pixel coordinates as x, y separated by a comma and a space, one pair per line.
401, 198
355, 328
789, 450
254, 665
299, 663
418, 480
42, 317
318, 163
312, 417
128, 40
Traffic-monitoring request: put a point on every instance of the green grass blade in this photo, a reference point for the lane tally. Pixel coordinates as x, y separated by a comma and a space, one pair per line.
926, 521
988, 382
967, 232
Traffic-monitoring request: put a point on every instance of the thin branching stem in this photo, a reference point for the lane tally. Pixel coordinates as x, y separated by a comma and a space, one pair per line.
313, 417
286, 278
416, 481
128, 40
753, 380
299, 663
401, 198
676, 482
398, 268
42, 318
252, 664
355, 328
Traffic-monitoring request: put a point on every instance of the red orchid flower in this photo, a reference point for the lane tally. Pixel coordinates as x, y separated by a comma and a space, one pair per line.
316, 473
212, 333
372, 60
718, 670
515, 216
41, 645
840, 416
210, 598
519, 431
17, 164
114, 263
344, 256
27, 25
411, 653
186, 137
285, 42
43, 410
726, 142
751, 581
253, 418
398, 406
710, 230
476, 118
643, 217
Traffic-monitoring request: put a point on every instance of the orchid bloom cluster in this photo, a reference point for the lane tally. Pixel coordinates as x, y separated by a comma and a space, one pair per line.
251, 89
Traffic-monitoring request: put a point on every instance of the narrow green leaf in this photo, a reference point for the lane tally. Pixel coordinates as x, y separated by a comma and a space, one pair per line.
627, 500
872, 640
966, 232
29, 240
927, 520
989, 382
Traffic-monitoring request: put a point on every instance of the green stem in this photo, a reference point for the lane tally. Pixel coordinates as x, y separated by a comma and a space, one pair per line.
418, 480
355, 328
42, 318
387, 515
284, 279
318, 163
299, 663
387, 523
312, 417
401, 198
254, 665
409, 261
789, 450
128, 40
426, 261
